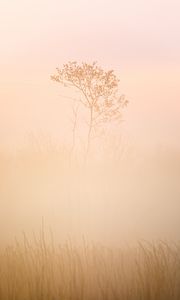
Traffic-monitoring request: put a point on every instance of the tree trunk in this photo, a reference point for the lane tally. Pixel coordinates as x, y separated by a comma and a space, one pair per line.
89, 133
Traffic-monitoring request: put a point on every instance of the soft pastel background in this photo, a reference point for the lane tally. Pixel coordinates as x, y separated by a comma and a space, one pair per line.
139, 39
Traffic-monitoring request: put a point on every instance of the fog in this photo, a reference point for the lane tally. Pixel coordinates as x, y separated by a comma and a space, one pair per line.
110, 200
89, 150
129, 189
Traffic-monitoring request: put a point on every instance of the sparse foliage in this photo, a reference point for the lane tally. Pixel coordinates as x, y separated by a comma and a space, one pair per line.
99, 90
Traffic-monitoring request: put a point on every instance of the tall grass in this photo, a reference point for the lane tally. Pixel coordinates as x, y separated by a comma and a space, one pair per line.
42, 270
105, 202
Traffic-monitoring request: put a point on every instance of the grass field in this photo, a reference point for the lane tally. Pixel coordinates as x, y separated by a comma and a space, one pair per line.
112, 207
41, 270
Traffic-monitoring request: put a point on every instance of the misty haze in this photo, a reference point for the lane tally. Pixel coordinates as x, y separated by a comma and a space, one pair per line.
90, 150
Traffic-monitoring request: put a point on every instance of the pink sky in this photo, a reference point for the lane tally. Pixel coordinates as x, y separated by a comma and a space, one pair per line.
139, 39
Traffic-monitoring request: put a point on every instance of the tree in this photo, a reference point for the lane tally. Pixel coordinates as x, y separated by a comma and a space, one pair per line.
99, 90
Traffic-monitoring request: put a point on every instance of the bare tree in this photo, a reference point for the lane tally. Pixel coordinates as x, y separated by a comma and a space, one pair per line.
99, 90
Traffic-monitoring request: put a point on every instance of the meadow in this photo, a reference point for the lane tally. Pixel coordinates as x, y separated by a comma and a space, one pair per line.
114, 228
40, 270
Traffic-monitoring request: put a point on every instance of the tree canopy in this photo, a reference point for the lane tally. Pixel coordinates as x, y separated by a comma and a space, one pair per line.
99, 90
